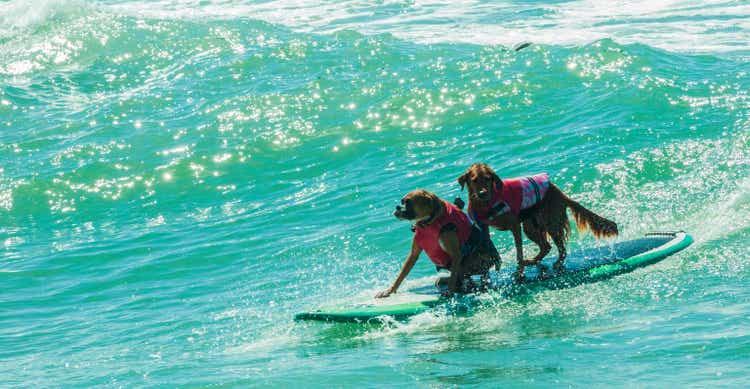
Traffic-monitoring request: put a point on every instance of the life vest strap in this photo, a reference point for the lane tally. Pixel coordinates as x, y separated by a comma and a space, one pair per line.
537, 194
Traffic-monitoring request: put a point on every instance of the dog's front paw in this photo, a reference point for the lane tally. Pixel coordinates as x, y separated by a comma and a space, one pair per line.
544, 271
447, 293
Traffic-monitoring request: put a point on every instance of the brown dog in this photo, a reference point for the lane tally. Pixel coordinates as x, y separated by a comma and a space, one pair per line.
532, 202
445, 233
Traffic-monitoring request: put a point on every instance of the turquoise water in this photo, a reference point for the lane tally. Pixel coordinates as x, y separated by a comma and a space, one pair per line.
178, 178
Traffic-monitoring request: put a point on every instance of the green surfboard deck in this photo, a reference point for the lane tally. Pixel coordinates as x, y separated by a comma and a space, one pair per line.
583, 266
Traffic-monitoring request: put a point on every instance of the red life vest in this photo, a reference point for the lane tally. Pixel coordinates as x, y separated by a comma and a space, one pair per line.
515, 195
428, 237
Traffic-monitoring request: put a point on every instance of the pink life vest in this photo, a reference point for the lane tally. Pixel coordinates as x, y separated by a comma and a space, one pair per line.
428, 237
515, 195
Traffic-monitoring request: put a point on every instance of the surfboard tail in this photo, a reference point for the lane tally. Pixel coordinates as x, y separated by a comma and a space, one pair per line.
599, 226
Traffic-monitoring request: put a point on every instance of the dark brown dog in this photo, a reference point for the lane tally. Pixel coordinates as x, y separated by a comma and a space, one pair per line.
443, 231
547, 217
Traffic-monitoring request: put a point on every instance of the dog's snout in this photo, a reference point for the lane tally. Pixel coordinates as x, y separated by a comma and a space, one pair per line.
404, 211
481, 194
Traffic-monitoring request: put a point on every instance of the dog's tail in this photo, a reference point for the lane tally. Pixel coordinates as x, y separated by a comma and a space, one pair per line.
599, 226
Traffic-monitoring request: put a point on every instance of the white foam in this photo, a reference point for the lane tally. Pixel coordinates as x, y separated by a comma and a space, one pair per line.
680, 25
19, 14
720, 202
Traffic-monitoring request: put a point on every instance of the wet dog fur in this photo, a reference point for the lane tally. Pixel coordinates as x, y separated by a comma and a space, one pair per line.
548, 218
423, 207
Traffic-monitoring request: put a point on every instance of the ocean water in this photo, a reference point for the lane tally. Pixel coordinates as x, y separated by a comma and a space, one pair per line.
179, 177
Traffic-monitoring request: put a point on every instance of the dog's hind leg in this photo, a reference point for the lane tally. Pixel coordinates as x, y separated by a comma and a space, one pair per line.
538, 236
559, 239
556, 222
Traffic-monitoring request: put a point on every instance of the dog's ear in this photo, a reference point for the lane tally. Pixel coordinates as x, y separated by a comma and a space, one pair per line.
496, 178
430, 199
437, 204
424, 198
463, 180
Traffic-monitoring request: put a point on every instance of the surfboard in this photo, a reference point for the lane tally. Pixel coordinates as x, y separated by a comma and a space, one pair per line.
581, 266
